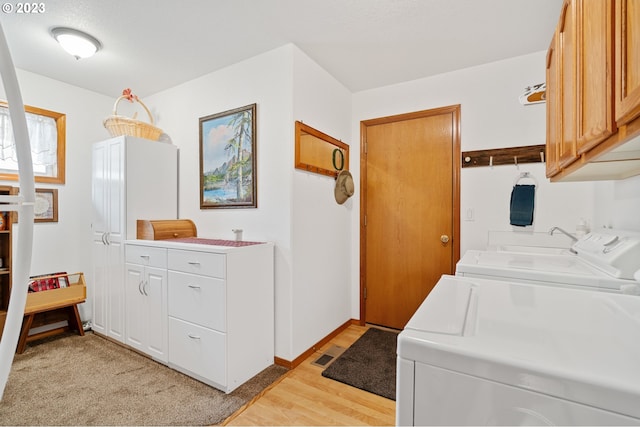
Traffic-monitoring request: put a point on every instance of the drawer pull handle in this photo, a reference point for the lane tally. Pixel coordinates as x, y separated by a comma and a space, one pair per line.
194, 286
193, 263
144, 256
194, 337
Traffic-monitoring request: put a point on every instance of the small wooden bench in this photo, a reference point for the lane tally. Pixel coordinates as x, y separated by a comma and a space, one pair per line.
49, 305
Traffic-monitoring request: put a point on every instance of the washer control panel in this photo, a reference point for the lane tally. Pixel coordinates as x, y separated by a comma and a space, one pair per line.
618, 255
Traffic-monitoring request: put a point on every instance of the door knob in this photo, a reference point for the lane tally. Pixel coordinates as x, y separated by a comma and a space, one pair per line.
444, 238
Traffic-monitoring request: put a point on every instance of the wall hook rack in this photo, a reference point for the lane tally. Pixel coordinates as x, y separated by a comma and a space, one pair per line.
504, 156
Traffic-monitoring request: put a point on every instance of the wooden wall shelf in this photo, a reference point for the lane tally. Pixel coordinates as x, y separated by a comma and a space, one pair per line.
504, 156
318, 152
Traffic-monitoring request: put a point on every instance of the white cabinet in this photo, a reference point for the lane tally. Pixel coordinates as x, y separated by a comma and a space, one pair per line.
132, 179
146, 300
197, 322
220, 310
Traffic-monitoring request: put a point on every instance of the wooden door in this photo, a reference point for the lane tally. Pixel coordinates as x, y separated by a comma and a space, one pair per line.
627, 60
409, 211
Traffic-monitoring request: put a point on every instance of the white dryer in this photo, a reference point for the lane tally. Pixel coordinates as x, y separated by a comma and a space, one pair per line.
487, 352
604, 260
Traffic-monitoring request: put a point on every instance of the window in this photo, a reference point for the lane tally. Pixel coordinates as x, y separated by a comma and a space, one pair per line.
47, 134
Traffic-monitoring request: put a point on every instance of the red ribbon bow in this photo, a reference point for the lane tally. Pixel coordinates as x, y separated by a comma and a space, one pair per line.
128, 95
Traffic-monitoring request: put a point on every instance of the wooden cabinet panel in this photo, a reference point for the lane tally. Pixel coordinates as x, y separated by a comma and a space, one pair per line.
567, 49
595, 120
553, 103
627, 46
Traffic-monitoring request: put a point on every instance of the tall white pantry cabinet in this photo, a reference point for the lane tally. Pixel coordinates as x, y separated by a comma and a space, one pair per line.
132, 178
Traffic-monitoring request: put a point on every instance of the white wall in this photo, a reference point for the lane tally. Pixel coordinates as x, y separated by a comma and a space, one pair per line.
296, 211
267, 81
321, 233
491, 117
66, 245
617, 204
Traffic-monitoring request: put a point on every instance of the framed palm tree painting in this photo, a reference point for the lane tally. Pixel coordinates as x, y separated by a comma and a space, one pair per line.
228, 159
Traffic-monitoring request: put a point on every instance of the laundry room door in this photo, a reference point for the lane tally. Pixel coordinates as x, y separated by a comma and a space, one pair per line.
410, 221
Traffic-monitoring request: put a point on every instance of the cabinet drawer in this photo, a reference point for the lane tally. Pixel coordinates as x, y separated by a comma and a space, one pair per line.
146, 255
199, 350
204, 263
197, 299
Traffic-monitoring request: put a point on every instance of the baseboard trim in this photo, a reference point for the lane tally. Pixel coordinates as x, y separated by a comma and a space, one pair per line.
290, 364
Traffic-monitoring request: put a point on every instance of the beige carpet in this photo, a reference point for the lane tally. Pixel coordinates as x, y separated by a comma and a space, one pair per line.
74, 380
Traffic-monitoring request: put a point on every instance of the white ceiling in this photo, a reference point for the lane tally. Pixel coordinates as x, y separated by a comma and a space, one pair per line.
151, 45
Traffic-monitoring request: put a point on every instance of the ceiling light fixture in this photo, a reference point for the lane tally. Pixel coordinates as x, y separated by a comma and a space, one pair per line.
77, 43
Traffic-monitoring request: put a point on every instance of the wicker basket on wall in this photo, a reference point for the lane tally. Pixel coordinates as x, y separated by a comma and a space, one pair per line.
121, 125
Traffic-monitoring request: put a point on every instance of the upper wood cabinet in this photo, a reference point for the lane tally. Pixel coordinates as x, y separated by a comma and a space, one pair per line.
553, 107
594, 73
567, 89
593, 91
627, 30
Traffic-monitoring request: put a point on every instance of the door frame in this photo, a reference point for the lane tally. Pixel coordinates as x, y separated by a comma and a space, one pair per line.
455, 178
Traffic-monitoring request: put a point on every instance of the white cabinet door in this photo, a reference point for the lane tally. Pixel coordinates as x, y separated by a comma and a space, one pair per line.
146, 315
146, 301
132, 178
198, 299
99, 205
113, 237
107, 193
135, 306
115, 291
100, 283
198, 351
155, 289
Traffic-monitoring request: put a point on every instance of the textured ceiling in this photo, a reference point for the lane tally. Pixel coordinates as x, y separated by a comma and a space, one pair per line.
151, 45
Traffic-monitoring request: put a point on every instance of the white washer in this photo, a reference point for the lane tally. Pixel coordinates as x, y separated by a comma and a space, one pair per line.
486, 352
605, 260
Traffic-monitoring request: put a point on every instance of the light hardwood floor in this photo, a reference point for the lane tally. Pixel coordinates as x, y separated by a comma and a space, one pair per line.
304, 397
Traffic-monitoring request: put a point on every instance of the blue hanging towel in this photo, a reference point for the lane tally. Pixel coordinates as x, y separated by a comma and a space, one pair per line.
522, 199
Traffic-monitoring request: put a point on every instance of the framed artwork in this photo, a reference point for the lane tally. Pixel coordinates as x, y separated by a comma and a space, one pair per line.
46, 205
228, 159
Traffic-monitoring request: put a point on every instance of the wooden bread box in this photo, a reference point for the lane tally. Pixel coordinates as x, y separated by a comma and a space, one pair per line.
165, 229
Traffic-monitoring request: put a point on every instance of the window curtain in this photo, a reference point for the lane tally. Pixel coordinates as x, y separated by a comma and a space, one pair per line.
43, 134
